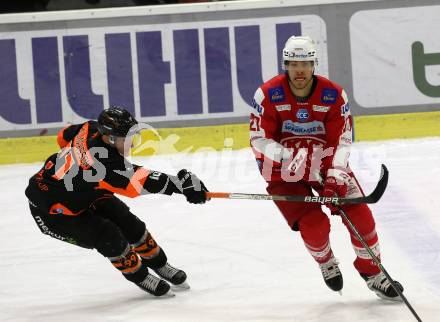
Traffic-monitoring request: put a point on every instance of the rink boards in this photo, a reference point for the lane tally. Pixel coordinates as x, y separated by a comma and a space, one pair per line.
191, 70
230, 136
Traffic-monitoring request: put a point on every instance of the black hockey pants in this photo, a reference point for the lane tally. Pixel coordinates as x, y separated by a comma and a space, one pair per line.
107, 225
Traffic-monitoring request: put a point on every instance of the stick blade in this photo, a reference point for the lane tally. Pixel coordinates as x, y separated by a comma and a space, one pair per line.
377, 192
381, 185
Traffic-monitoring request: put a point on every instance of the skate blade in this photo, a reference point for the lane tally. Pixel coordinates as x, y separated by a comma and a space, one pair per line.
169, 294
181, 287
392, 299
340, 293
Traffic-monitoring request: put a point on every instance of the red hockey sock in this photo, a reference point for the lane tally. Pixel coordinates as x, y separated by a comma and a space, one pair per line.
315, 231
322, 253
363, 262
362, 219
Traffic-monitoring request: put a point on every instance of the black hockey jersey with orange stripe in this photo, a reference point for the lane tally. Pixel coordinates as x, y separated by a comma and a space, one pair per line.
87, 169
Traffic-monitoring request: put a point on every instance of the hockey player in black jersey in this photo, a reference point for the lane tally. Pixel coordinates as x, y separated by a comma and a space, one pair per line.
72, 198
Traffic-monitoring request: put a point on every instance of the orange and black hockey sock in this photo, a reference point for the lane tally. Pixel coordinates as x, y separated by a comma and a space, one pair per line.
129, 262
152, 254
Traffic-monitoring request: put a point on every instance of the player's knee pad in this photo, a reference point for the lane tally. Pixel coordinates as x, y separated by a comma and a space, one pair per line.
110, 242
151, 253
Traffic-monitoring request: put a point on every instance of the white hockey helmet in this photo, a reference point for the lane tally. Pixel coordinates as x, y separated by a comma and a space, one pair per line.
299, 48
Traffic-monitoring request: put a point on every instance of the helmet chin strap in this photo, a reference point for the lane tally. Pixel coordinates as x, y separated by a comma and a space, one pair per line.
112, 139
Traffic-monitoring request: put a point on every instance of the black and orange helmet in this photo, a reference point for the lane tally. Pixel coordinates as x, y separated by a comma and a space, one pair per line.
115, 121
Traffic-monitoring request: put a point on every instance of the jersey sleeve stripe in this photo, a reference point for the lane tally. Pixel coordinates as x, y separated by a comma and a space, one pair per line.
134, 187
270, 149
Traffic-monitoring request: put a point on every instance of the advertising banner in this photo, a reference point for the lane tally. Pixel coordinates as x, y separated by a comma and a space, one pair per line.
159, 72
396, 56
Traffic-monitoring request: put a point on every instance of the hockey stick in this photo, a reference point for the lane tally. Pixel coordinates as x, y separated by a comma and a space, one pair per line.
371, 198
378, 263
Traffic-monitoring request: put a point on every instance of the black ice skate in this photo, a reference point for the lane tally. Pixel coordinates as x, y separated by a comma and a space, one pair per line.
173, 275
382, 287
332, 275
136, 271
154, 285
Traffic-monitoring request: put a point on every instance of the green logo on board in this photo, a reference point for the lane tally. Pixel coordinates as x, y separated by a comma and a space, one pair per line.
420, 60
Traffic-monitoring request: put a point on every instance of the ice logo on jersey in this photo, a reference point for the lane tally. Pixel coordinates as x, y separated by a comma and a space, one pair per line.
302, 115
310, 128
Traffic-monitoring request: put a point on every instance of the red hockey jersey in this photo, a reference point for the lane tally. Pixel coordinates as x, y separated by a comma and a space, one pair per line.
296, 139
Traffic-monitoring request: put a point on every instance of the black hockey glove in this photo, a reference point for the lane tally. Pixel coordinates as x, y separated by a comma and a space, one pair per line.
192, 187
158, 182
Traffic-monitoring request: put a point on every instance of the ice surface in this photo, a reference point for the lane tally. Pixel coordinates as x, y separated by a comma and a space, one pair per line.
243, 262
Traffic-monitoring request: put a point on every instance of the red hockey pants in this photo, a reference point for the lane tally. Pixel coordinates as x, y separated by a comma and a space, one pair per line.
314, 225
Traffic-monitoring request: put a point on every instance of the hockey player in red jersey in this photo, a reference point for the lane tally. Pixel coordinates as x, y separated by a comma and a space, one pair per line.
72, 198
300, 133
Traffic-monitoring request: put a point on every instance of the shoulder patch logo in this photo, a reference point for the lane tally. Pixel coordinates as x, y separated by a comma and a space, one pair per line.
329, 95
276, 94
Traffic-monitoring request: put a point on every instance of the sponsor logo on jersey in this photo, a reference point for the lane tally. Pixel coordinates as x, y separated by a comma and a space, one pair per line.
329, 95
345, 109
45, 230
319, 108
310, 128
302, 115
276, 94
284, 107
257, 107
